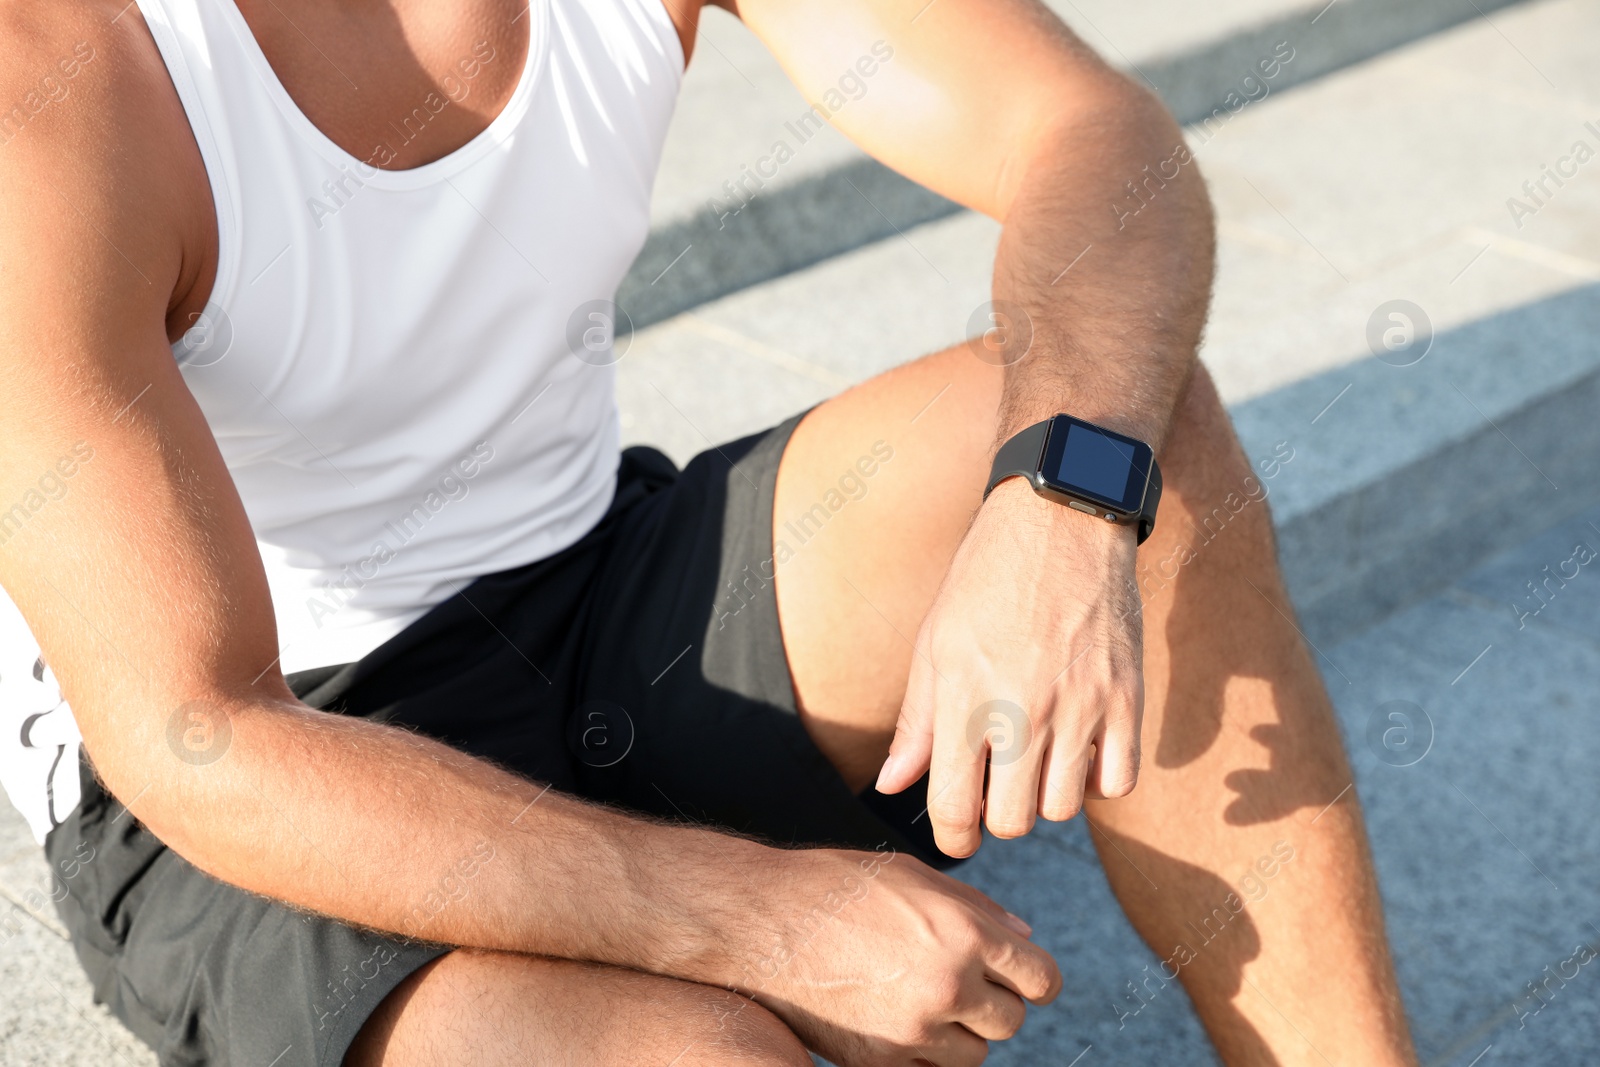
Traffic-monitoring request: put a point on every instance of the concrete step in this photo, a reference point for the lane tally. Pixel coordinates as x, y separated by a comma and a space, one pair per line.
1385, 182
707, 240
47, 1015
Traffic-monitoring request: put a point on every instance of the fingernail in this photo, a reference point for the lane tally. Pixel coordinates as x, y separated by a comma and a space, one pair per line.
1020, 925
888, 768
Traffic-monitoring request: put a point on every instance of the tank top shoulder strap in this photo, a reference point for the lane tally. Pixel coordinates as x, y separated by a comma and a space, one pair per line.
195, 47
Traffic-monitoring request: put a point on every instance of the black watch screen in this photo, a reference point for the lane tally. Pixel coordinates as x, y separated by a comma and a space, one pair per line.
1087, 461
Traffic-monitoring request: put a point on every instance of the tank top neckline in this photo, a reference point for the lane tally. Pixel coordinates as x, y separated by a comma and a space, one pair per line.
441, 169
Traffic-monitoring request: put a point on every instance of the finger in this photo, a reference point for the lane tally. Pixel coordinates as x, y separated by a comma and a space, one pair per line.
1022, 967
950, 1045
912, 747
996, 1013
1016, 757
1061, 786
955, 789
1115, 770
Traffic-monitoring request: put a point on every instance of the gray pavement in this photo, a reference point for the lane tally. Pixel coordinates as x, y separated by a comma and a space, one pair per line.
1423, 498
47, 1016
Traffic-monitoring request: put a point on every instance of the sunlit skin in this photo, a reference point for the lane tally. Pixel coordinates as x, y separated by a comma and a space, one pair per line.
1202, 714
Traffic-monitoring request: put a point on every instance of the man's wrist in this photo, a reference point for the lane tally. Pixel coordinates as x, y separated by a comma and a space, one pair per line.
751, 910
1019, 504
1151, 428
704, 904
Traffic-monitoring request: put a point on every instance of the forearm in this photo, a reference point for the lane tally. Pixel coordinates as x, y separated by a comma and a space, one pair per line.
386, 829
1107, 254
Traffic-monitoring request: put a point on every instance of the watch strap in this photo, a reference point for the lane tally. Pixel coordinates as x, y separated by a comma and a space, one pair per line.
1152, 497
1021, 455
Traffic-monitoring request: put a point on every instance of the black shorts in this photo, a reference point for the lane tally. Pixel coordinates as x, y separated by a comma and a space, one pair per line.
642, 667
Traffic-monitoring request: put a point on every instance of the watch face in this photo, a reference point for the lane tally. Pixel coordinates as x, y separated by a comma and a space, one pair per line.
1097, 465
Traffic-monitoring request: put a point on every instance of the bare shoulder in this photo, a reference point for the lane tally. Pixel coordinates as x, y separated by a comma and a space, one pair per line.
79, 67
95, 146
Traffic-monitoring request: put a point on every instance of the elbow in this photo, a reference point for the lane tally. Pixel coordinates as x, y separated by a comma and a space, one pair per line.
187, 776
1105, 129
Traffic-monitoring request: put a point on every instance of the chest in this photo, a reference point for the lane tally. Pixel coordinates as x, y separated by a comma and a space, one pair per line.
359, 70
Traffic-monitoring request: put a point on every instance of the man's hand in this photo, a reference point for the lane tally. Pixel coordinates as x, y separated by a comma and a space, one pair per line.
877, 960
1029, 661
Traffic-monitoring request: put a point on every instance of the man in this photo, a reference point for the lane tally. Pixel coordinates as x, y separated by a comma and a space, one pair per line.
321, 529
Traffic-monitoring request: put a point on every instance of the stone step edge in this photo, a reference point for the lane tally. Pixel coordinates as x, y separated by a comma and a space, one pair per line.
690, 261
1426, 551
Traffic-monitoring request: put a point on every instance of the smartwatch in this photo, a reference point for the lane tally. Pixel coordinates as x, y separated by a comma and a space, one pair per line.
1086, 467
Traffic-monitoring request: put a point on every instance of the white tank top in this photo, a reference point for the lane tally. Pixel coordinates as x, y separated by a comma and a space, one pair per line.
408, 372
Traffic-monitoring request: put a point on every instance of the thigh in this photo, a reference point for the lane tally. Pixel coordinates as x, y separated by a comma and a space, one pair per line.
858, 579
490, 1008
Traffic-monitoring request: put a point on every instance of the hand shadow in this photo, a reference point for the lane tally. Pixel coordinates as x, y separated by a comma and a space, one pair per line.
1229, 643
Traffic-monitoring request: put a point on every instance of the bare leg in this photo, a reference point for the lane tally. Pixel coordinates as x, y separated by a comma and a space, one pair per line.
492, 1008
1242, 754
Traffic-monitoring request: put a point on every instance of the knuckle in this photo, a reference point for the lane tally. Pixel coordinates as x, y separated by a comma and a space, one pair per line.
1043, 981
1011, 1018
1030, 982
958, 847
1120, 782
1006, 957
1047, 978
1119, 775
944, 992
1060, 810
1039, 970
1009, 827
1032, 971
970, 938
956, 817
1060, 805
